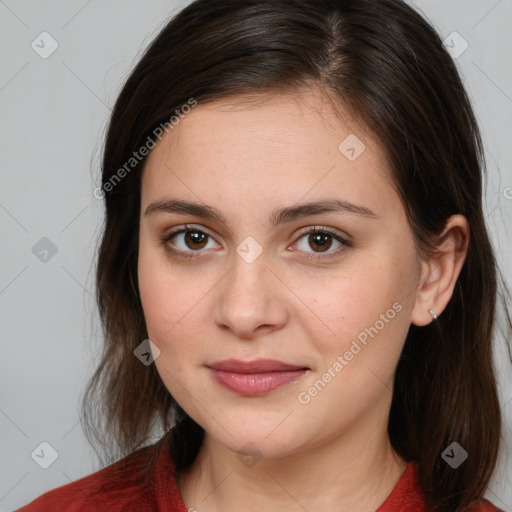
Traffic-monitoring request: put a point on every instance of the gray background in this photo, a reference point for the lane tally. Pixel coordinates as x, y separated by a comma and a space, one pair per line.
54, 112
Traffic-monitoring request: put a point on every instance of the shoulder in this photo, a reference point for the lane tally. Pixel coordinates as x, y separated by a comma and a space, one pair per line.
408, 496
132, 483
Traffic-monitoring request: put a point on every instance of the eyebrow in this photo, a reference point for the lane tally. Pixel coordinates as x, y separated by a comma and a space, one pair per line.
276, 217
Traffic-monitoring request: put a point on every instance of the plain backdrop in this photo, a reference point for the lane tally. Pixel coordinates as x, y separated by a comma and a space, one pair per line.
62, 66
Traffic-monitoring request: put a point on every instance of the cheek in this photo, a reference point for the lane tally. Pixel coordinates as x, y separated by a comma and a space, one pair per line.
174, 302
163, 298
169, 314
367, 303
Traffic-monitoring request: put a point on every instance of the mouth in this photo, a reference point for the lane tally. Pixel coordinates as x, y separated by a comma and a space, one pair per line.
254, 378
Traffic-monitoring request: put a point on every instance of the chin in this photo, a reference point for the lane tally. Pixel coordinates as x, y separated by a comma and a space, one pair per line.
261, 440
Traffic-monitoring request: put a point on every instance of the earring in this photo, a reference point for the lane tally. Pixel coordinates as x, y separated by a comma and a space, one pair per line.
433, 315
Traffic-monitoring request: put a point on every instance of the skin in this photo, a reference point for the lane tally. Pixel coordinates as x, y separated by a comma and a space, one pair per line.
245, 160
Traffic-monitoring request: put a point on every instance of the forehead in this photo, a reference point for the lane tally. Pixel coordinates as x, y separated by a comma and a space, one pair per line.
267, 147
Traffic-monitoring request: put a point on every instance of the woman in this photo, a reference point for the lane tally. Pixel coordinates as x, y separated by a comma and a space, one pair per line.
295, 280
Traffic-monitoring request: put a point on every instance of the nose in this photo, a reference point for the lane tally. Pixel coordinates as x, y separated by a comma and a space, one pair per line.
250, 300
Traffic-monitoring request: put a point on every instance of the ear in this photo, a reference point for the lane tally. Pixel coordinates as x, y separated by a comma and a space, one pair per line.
440, 271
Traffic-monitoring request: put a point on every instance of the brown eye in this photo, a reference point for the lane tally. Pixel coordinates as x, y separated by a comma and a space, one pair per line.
317, 242
322, 241
188, 242
195, 239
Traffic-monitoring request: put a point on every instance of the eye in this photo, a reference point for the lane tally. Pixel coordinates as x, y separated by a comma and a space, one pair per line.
188, 240
321, 240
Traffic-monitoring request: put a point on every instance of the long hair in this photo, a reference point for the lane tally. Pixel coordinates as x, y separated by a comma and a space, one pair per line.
388, 66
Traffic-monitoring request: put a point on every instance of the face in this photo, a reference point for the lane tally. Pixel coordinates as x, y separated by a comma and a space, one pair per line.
324, 292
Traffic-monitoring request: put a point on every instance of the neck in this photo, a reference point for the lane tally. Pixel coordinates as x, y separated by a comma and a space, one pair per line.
355, 471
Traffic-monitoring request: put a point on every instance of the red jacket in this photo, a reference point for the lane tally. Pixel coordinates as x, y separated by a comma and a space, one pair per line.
144, 482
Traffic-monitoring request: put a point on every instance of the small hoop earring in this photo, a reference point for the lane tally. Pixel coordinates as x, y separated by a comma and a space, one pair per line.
433, 315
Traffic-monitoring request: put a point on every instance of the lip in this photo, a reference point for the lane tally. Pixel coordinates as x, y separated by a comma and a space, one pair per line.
254, 378
256, 366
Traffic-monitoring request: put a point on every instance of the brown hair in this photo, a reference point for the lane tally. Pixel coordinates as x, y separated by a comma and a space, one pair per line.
385, 63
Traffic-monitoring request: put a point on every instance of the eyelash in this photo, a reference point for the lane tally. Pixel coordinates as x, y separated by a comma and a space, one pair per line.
197, 254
